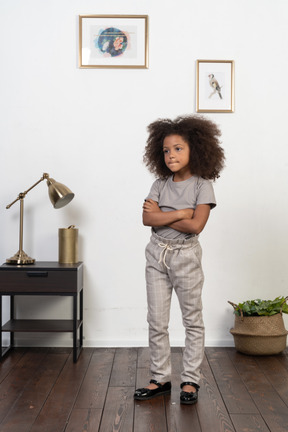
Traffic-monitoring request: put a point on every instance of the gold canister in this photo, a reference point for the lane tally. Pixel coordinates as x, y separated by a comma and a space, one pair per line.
68, 245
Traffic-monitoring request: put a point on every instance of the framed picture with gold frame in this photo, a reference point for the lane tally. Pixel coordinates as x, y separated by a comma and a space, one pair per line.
113, 41
215, 86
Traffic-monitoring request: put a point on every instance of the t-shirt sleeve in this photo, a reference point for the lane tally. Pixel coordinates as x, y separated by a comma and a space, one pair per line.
205, 193
154, 191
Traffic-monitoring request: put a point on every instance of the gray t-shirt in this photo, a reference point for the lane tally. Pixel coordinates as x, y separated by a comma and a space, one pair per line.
172, 195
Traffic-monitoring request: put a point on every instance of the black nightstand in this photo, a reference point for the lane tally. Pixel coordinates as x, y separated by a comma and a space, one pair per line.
43, 278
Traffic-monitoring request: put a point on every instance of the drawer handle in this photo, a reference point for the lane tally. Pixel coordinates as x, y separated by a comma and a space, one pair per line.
37, 274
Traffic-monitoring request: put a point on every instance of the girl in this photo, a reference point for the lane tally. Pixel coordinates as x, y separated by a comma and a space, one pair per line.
185, 155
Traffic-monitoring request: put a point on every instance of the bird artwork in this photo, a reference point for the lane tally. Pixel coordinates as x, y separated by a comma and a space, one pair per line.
215, 85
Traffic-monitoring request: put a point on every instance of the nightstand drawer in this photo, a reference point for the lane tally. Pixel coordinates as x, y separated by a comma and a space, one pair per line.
38, 281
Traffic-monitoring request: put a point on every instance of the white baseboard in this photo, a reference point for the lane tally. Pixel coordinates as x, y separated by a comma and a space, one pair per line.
59, 340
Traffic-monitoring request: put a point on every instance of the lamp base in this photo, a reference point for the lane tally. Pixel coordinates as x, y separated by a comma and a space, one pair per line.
20, 258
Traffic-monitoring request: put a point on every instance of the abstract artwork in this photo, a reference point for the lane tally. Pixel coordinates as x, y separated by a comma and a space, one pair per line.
113, 41
215, 86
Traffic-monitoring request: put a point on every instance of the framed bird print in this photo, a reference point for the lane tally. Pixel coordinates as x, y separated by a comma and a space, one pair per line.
215, 86
113, 41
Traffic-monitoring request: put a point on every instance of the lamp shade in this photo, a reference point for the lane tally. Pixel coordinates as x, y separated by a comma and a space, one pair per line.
59, 194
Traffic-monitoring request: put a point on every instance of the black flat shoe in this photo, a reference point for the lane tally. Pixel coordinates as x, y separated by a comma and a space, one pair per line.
145, 393
189, 398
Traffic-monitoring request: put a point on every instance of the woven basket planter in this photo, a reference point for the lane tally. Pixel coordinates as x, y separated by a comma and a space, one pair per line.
259, 335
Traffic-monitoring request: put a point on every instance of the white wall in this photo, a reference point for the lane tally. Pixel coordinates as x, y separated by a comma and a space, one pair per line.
87, 129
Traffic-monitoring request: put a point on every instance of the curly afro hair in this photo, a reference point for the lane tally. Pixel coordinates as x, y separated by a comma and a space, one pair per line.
206, 155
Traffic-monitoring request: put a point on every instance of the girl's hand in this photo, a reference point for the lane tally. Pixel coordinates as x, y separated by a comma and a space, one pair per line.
196, 224
153, 216
188, 213
150, 206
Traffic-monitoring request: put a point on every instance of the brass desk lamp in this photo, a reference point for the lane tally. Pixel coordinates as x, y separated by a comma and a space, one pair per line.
59, 195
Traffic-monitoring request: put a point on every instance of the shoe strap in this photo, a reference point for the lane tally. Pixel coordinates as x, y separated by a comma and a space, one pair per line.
152, 381
197, 387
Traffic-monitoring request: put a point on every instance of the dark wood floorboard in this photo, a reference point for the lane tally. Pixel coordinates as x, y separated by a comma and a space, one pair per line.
42, 390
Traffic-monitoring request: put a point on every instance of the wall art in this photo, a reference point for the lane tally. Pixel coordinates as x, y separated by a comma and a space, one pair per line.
215, 86
113, 41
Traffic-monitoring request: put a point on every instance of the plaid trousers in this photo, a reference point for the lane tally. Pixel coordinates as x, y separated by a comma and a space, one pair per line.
174, 264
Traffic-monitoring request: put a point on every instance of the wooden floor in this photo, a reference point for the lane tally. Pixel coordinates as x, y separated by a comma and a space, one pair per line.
42, 390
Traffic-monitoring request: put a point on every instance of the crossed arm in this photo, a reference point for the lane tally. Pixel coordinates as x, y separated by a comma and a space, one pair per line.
185, 220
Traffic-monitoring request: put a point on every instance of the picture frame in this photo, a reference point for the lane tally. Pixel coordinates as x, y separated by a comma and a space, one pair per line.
215, 86
113, 41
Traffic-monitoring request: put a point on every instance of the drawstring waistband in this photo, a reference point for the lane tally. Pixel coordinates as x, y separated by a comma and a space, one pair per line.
171, 245
166, 247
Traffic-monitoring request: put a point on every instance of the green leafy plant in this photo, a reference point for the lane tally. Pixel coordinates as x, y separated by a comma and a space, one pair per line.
261, 307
